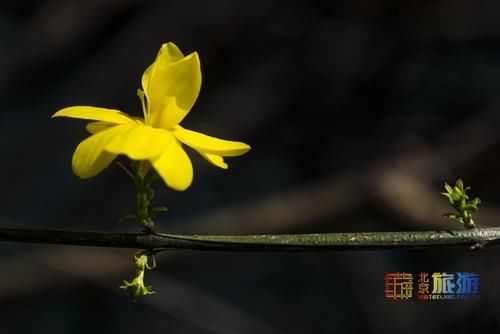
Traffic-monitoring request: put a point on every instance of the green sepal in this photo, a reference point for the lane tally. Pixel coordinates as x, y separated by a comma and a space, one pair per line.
158, 209
126, 170
128, 218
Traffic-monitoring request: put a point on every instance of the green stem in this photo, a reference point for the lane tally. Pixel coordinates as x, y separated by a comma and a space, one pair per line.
144, 195
475, 238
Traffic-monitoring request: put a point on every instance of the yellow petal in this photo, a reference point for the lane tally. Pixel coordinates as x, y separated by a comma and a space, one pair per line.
90, 158
98, 126
140, 142
215, 160
169, 53
171, 85
212, 145
167, 118
174, 167
96, 114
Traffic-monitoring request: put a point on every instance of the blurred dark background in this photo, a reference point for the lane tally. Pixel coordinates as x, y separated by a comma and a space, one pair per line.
357, 112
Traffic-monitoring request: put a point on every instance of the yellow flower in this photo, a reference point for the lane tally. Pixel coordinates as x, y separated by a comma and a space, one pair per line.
170, 88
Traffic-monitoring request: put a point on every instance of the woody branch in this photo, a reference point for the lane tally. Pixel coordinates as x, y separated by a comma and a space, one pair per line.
475, 238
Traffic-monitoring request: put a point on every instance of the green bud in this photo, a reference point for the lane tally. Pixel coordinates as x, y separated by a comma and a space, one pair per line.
136, 288
459, 200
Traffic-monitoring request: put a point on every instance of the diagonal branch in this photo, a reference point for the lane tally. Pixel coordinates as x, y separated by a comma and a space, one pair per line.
475, 238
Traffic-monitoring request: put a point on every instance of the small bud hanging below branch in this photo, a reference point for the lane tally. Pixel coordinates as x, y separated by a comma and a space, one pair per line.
136, 287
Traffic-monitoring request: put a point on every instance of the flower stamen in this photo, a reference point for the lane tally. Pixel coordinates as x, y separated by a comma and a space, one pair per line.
147, 119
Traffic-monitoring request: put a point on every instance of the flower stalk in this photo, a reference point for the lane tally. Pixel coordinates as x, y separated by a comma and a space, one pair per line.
144, 195
143, 176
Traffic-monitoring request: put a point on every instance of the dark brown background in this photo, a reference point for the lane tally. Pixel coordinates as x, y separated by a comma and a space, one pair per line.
357, 111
